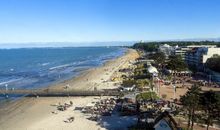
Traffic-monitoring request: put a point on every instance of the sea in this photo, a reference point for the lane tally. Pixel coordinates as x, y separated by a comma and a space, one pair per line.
39, 67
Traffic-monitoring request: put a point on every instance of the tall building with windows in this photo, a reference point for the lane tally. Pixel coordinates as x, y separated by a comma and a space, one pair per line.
183, 50
198, 55
193, 55
166, 49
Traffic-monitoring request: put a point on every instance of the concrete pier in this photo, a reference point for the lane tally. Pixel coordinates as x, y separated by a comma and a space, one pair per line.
57, 92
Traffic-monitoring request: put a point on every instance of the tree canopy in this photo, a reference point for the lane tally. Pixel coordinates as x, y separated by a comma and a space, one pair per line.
176, 63
149, 47
147, 96
153, 46
199, 103
213, 63
190, 101
210, 102
159, 58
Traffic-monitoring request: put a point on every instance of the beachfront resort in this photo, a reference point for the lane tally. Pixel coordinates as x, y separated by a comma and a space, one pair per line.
154, 86
109, 65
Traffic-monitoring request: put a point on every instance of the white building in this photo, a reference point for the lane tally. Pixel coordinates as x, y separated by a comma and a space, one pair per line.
183, 50
166, 49
198, 56
210, 52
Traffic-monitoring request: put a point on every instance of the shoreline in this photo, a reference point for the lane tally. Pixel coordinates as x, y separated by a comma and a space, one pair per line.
66, 80
84, 73
35, 113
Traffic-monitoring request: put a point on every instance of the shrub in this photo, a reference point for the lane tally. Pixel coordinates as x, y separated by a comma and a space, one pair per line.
147, 96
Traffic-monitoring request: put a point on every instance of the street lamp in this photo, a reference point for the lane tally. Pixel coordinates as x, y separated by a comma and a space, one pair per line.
6, 89
174, 91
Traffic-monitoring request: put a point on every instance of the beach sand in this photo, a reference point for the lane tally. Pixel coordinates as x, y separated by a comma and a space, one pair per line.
36, 113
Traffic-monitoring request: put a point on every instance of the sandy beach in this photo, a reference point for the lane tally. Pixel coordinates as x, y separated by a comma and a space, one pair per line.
36, 113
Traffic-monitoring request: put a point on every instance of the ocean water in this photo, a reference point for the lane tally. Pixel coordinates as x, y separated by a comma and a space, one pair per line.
38, 67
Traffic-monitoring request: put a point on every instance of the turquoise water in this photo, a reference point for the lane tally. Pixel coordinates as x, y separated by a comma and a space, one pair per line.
38, 67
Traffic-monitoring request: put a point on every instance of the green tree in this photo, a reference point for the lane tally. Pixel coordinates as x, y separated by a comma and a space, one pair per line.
213, 63
148, 47
190, 102
176, 63
142, 82
128, 83
159, 58
210, 103
153, 46
147, 96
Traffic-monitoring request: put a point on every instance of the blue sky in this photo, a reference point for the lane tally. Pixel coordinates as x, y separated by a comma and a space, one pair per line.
107, 20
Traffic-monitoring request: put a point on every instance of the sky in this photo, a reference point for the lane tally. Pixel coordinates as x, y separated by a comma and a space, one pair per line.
23, 21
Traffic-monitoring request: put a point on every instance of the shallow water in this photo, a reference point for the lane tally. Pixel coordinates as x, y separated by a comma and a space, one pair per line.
37, 67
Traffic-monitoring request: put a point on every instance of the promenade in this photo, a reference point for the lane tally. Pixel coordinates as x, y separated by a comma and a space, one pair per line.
57, 92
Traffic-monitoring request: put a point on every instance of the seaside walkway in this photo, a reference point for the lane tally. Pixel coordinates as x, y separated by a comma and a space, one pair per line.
57, 92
